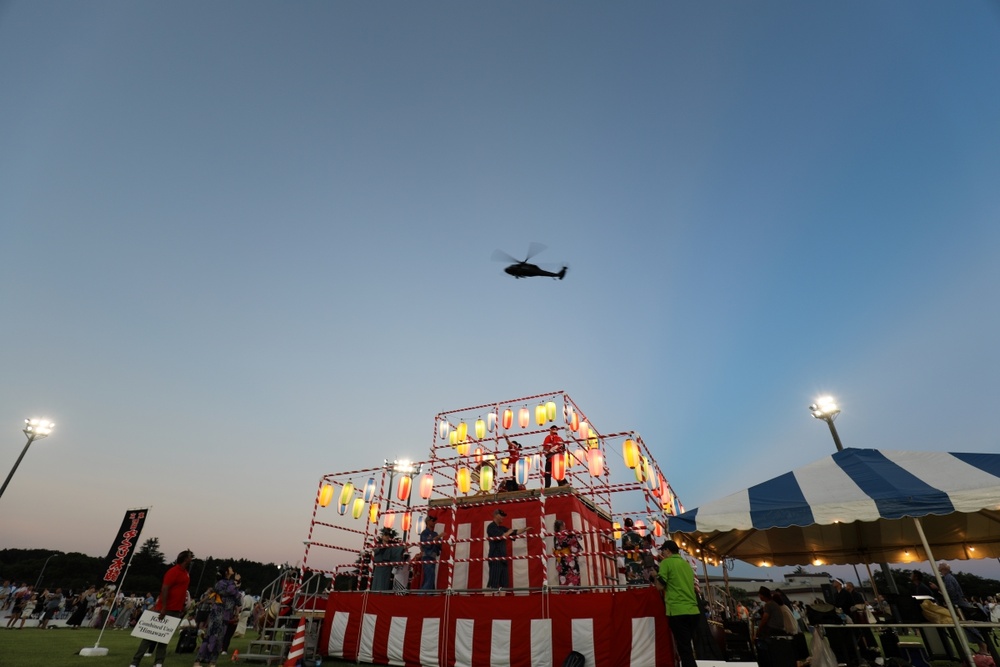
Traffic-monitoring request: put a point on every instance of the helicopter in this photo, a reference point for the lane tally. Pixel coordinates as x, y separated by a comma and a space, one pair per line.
522, 269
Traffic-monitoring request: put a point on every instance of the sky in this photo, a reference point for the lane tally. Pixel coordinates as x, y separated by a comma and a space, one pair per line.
247, 244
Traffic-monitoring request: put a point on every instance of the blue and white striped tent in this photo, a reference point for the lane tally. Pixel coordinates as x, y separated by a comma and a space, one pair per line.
858, 505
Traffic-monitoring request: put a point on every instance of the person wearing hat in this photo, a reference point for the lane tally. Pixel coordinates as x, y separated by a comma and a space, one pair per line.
430, 552
676, 581
497, 533
388, 554
552, 445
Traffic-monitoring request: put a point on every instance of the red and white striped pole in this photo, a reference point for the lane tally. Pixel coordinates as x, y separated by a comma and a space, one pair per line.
298, 647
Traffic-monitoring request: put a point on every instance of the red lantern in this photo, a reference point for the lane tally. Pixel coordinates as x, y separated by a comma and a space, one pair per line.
508, 418
558, 467
426, 486
574, 421
584, 429
657, 529
523, 416
595, 461
403, 489
478, 456
406, 521
388, 519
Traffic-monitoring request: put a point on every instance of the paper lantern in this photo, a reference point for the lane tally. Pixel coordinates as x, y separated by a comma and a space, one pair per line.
388, 520
426, 485
579, 456
443, 428
657, 529
505, 464
583, 430
652, 482
550, 410
595, 461
325, 495
640, 527
574, 421
592, 441
486, 478
540, 414
403, 487
453, 438
640, 471
480, 429
618, 530
508, 418
346, 493
491, 422
521, 469
373, 513
359, 508
523, 416
406, 521
463, 431
664, 492
369, 489
559, 467
462, 448
630, 452
463, 479
478, 455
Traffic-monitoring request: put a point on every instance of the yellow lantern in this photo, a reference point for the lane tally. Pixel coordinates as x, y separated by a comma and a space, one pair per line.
480, 429
630, 452
443, 428
522, 417
464, 479
508, 418
463, 431
550, 411
486, 478
453, 438
359, 508
373, 513
346, 493
463, 448
325, 495
540, 414
388, 519
595, 462
618, 530
592, 440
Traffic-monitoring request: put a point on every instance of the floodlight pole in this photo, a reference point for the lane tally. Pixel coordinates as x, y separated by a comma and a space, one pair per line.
35, 429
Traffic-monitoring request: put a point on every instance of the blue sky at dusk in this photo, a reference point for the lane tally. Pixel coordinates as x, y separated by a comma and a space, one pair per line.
246, 244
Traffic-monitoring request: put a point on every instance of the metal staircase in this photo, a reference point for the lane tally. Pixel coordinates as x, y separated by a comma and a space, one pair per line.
287, 602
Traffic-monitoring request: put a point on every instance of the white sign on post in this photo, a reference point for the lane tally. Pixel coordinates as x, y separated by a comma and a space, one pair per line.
152, 628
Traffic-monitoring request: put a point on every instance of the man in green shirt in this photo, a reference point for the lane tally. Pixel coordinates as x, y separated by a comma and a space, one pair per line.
676, 580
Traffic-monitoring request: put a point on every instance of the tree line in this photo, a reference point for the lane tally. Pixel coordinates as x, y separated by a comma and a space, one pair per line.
76, 571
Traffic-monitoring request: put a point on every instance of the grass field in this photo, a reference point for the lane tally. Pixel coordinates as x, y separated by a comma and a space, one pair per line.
60, 647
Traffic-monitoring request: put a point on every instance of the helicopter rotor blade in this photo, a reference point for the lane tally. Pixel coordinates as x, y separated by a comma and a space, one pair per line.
534, 248
501, 256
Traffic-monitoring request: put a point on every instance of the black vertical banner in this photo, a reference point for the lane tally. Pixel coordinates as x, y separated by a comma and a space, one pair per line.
121, 550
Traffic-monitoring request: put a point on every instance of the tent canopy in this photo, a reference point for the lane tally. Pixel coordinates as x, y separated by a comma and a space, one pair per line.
857, 506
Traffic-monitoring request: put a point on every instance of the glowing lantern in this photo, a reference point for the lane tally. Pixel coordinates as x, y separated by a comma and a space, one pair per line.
522, 417
426, 486
478, 456
443, 428
505, 464
540, 414
651, 480
491, 422
463, 479
369, 489
406, 521
657, 529
618, 530
462, 448
583, 430
550, 411
486, 478
463, 431
480, 429
508, 418
640, 527
558, 468
640, 471
574, 421
630, 452
579, 456
325, 495
346, 493
388, 520
521, 469
592, 441
664, 492
403, 488
453, 438
373, 513
359, 508
595, 461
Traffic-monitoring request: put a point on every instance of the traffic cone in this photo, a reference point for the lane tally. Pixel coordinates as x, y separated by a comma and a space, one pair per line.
298, 647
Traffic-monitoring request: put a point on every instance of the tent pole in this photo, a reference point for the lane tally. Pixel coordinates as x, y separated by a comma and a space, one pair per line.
871, 580
708, 585
960, 632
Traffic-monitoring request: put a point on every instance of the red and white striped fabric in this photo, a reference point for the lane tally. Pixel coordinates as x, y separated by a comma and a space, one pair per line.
613, 629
